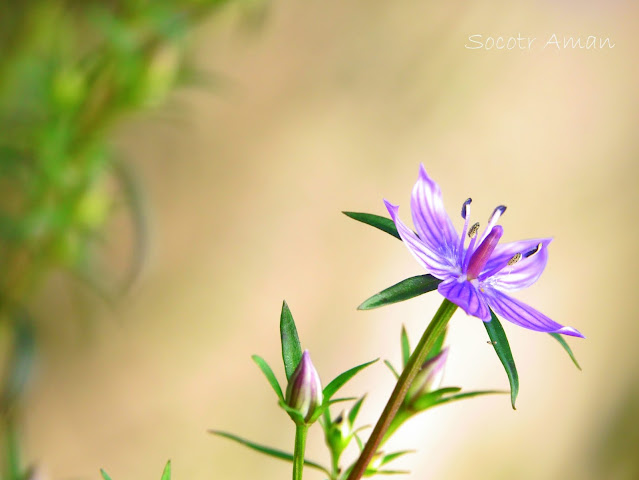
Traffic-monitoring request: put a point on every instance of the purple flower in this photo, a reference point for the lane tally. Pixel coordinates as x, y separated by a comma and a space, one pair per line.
478, 276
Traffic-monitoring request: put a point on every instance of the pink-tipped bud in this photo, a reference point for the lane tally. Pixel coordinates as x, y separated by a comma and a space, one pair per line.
304, 391
428, 378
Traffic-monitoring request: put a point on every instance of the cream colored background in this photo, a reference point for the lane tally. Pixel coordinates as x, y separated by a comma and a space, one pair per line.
331, 106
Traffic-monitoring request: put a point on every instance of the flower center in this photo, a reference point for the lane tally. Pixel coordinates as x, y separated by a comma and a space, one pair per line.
483, 252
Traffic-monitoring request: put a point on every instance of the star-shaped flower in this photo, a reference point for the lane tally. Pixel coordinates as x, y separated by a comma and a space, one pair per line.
478, 276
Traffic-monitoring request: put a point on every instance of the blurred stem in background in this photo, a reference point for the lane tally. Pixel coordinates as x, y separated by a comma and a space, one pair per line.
69, 72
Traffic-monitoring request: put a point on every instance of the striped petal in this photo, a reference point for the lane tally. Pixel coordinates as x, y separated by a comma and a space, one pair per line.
466, 295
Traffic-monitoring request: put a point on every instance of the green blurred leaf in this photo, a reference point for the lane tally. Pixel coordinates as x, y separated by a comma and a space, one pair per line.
341, 379
371, 472
295, 415
566, 347
166, 474
352, 414
383, 223
405, 346
105, 476
20, 363
461, 396
391, 368
270, 376
268, 450
404, 290
291, 349
502, 348
429, 399
392, 456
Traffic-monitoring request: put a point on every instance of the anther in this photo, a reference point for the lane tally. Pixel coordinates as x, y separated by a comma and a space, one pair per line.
464, 210
533, 251
499, 210
515, 259
473, 230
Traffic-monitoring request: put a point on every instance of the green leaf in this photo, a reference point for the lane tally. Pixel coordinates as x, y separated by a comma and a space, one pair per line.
270, 376
383, 223
437, 347
105, 476
352, 414
404, 290
341, 379
405, 346
392, 456
295, 415
371, 472
564, 344
429, 399
268, 450
500, 343
291, 349
461, 396
391, 368
166, 474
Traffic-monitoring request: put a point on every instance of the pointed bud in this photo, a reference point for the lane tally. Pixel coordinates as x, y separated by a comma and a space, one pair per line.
428, 378
304, 391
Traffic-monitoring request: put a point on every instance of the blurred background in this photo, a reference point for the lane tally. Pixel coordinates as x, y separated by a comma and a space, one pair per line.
171, 171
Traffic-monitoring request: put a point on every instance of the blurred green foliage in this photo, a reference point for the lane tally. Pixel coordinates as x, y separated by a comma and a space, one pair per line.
70, 70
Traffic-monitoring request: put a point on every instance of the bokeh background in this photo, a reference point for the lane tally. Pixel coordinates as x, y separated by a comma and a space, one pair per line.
319, 107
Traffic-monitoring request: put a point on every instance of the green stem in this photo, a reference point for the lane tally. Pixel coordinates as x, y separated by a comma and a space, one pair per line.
298, 455
418, 357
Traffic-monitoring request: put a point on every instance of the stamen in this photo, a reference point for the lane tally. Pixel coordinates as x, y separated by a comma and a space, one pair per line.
515, 259
533, 251
465, 213
473, 230
492, 221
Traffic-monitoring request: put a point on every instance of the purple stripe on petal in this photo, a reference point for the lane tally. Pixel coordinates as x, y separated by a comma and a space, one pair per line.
465, 294
432, 261
523, 273
523, 315
430, 218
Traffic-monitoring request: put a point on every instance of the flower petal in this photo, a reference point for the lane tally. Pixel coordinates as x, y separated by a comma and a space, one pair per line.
523, 273
431, 221
432, 261
523, 315
466, 295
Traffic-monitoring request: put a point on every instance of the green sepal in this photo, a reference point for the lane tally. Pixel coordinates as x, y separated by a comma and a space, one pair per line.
273, 452
295, 415
291, 348
566, 347
341, 379
383, 223
405, 346
404, 290
499, 342
105, 476
166, 474
270, 376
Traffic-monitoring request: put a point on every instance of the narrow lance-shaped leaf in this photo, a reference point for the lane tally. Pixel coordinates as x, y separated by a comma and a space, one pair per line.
566, 347
166, 474
391, 368
352, 414
430, 398
461, 396
341, 379
291, 348
383, 223
273, 452
270, 376
500, 344
392, 456
404, 290
405, 346
105, 476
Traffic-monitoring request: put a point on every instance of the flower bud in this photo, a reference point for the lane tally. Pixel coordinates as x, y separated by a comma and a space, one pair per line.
304, 391
428, 378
